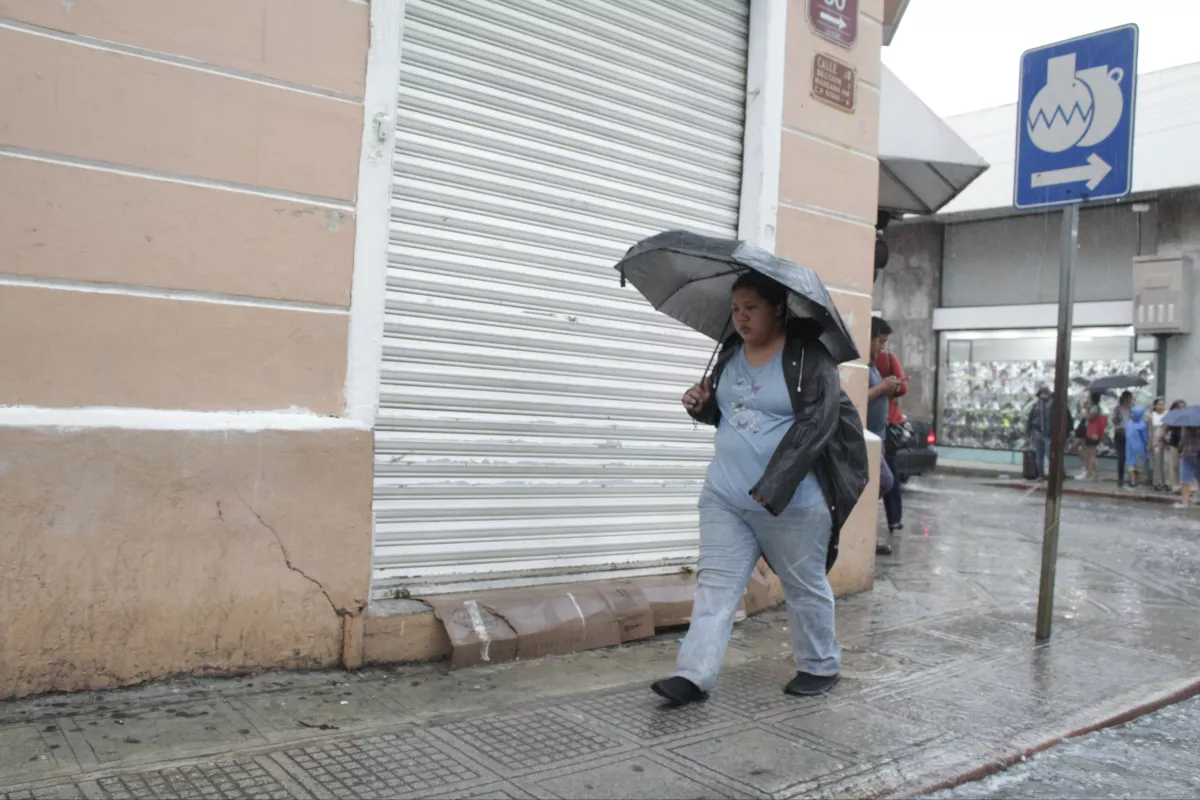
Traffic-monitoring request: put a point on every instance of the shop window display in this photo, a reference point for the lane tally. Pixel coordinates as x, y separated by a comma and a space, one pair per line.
985, 403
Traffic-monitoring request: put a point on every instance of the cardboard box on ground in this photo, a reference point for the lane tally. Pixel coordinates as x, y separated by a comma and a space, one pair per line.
492, 627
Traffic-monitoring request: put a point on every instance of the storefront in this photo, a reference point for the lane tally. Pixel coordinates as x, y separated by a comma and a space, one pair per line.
988, 380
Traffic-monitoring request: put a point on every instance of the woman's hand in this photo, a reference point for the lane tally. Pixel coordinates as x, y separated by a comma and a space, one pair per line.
695, 398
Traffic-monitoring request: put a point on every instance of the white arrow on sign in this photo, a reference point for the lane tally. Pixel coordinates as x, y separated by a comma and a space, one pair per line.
1093, 172
834, 19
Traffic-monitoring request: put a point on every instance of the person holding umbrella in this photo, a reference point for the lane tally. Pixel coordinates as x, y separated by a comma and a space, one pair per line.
1171, 436
1187, 421
790, 460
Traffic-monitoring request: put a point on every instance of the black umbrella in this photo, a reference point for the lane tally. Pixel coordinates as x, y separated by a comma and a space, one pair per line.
1080, 381
689, 277
1116, 382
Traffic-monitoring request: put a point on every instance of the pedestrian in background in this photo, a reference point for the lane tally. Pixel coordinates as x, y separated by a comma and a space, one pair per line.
1171, 441
1039, 426
1097, 424
880, 391
1137, 445
888, 366
1120, 420
1189, 464
1157, 445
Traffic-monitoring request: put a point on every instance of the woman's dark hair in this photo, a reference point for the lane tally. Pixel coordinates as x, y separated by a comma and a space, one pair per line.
1126, 395
774, 292
1095, 397
879, 327
1179, 404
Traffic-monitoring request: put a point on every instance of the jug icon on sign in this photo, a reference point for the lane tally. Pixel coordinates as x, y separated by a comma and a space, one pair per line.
1075, 108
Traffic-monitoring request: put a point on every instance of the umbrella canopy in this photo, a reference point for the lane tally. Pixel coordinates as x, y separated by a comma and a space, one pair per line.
1116, 382
923, 163
689, 277
1183, 417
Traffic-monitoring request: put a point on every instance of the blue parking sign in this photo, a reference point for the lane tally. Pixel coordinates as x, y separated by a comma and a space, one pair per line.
1075, 120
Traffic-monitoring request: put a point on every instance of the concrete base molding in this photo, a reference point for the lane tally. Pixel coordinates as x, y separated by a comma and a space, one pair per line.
128, 555
399, 631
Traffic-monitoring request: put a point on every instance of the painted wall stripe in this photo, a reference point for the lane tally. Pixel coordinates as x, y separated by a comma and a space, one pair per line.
186, 180
151, 419
825, 212
174, 60
831, 143
189, 296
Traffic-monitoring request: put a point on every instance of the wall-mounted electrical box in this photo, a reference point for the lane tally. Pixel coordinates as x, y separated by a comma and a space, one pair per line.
1162, 294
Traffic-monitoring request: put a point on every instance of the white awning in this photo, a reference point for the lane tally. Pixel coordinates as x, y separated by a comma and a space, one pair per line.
923, 163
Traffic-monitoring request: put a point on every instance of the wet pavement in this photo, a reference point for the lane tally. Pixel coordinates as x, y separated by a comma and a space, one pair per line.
942, 677
1157, 755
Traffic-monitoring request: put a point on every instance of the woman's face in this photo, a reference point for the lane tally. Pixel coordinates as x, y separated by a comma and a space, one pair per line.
755, 320
1160, 406
877, 345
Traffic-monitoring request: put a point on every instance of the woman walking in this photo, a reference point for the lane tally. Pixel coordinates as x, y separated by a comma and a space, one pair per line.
776, 400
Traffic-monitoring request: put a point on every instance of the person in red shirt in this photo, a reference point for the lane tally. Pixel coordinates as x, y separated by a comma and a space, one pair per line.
889, 366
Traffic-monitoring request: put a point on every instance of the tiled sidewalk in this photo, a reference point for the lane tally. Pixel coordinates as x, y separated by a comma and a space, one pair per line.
942, 677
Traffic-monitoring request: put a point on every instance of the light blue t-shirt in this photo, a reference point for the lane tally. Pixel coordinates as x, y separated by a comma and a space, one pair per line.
756, 412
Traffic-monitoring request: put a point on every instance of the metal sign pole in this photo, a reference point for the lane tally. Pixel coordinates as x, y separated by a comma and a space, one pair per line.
1058, 441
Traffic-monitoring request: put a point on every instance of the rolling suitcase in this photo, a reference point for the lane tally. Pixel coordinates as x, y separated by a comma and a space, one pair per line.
1029, 466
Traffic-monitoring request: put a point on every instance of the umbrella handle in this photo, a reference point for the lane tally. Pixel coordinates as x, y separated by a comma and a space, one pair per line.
717, 349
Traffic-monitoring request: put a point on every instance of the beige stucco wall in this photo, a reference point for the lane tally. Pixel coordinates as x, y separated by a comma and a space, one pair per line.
178, 220
127, 555
828, 193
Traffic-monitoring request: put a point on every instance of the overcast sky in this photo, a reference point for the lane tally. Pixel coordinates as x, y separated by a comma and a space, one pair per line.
963, 55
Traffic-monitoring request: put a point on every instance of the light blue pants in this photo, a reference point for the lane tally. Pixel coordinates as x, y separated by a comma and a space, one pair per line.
731, 542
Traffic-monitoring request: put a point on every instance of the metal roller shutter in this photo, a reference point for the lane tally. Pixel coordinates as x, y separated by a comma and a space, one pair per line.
529, 420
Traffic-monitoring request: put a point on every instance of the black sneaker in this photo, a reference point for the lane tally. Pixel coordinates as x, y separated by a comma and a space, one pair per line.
806, 685
679, 691
883, 549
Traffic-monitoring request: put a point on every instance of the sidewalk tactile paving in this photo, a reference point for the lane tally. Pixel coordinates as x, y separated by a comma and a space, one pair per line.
61, 792
528, 740
379, 766
646, 717
242, 779
753, 693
